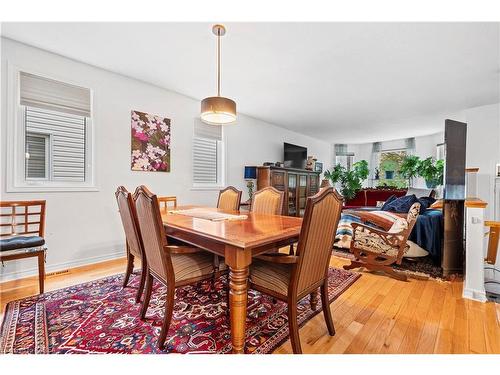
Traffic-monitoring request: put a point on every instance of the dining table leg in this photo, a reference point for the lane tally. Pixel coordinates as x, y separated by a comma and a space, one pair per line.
238, 260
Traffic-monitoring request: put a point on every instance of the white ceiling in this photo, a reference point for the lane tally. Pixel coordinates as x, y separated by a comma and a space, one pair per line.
341, 82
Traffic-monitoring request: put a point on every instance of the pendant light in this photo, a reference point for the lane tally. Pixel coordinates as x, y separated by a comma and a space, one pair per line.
217, 110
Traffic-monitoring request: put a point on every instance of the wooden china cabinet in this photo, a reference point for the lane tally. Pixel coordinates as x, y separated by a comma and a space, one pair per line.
298, 184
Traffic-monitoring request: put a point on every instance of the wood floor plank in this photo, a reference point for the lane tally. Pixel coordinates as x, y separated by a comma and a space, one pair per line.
376, 314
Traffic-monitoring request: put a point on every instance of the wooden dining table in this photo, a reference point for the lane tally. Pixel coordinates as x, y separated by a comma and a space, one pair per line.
238, 241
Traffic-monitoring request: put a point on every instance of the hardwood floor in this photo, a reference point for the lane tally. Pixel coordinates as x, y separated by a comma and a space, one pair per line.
377, 314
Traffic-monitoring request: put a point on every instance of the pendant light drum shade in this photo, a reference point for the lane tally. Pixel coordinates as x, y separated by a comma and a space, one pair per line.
216, 110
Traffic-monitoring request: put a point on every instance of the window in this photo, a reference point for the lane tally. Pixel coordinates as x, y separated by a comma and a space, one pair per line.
208, 155
51, 130
342, 157
389, 164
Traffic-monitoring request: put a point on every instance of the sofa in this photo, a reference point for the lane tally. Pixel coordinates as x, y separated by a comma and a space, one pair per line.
369, 197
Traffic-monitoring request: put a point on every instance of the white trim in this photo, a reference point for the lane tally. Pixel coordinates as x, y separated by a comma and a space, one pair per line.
15, 177
60, 266
474, 294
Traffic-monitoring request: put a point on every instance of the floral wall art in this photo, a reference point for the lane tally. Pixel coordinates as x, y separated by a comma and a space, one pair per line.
150, 142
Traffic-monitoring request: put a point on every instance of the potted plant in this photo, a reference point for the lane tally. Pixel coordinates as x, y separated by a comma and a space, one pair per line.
431, 171
409, 168
350, 180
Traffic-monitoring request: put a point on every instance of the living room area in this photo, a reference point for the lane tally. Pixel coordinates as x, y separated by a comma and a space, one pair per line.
249, 187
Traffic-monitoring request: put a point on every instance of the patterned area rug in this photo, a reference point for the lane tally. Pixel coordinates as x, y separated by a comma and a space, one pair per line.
420, 268
102, 317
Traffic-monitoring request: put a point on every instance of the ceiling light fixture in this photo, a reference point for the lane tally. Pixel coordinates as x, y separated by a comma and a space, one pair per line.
217, 110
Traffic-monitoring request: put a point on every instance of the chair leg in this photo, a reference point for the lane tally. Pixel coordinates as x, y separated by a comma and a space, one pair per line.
169, 309
313, 300
325, 303
353, 264
293, 327
129, 269
41, 271
147, 295
291, 251
144, 271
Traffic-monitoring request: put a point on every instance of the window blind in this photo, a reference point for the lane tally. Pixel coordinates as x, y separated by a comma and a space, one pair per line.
40, 92
206, 153
67, 141
36, 156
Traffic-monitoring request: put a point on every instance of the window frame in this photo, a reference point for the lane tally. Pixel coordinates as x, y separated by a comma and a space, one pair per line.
16, 180
221, 164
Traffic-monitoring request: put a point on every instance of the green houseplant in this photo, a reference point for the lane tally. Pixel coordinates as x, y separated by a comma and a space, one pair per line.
350, 180
431, 171
409, 168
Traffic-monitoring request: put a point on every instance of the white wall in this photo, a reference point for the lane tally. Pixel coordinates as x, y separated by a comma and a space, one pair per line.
84, 227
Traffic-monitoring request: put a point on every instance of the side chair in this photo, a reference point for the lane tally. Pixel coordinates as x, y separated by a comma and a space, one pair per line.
290, 278
133, 239
173, 266
21, 233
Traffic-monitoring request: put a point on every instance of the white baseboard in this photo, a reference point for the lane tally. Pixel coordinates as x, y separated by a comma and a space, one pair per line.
476, 295
59, 267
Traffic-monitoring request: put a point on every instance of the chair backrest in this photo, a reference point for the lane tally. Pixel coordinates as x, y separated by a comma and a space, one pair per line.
22, 217
316, 238
493, 241
267, 201
229, 199
128, 214
153, 234
167, 200
411, 218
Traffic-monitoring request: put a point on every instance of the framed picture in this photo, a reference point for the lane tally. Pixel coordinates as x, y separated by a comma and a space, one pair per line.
150, 142
318, 167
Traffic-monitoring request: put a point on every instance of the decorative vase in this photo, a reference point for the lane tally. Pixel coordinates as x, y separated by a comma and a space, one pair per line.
431, 184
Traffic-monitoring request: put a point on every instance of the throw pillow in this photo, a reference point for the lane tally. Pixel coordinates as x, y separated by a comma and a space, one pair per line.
387, 202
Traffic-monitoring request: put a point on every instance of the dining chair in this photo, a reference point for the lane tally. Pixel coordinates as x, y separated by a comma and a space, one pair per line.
267, 201
167, 200
171, 265
229, 199
289, 278
22, 233
133, 239
379, 250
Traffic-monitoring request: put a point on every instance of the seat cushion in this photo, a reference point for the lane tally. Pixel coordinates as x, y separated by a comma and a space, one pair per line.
21, 242
272, 276
188, 266
372, 243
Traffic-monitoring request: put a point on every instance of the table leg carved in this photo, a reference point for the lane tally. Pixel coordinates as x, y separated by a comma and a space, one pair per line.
238, 261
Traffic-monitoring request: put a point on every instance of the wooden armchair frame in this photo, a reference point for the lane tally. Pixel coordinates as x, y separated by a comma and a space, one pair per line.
377, 260
309, 267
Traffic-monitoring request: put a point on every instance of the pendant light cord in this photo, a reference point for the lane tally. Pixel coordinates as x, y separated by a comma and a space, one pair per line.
218, 62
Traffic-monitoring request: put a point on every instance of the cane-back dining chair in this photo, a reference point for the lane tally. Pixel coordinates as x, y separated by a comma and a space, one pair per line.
171, 265
133, 239
267, 201
378, 250
166, 200
291, 277
229, 199
22, 227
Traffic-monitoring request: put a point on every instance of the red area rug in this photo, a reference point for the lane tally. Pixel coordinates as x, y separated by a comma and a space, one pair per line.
101, 317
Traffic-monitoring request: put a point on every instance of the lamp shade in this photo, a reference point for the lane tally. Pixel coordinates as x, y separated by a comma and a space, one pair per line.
217, 110
250, 173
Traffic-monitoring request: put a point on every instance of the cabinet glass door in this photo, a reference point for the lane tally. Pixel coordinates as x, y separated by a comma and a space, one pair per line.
292, 194
302, 194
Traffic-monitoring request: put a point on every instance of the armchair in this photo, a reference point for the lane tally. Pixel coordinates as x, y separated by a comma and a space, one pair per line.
378, 250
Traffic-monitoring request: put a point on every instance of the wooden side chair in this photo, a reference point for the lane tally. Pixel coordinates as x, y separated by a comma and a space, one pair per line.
291, 277
229, 199
21, 235
267, 201
171, 265
133, 239
378, 250
167, 200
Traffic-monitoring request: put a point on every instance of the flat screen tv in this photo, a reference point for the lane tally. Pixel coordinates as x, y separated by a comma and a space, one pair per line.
294, 156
